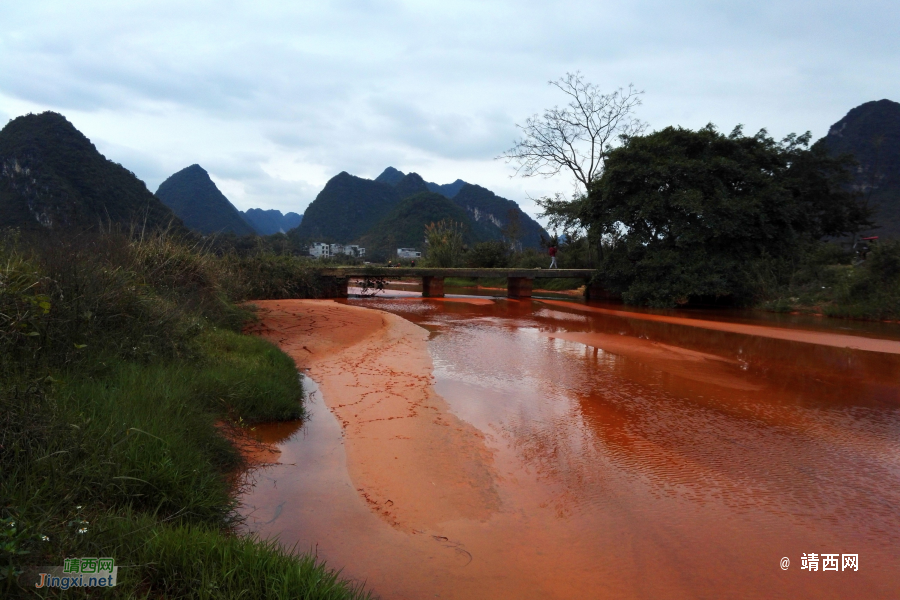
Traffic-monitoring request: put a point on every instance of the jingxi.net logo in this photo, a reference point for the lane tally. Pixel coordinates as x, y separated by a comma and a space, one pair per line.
79, 572
829, 562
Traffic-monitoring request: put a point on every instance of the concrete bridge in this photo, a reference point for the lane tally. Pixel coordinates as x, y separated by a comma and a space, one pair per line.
519, 281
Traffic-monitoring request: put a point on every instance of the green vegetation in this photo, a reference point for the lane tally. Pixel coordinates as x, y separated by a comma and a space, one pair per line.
193, 196
123, 372
689, 215
52, 176
827, 279
444, 241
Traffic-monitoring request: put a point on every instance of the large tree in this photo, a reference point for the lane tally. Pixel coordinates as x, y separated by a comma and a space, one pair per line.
574, 139
693, 210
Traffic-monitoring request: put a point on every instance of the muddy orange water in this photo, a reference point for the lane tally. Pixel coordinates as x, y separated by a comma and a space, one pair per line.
493, 448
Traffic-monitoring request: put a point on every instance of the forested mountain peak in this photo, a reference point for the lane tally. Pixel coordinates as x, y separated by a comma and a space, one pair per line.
345, 209
52, 176
410, 185
871, 133
390, 176
194, 197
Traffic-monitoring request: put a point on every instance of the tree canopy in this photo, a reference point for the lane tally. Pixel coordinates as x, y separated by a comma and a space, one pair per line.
691, 211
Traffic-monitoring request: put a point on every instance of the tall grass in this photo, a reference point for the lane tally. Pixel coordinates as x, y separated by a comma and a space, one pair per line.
121, 358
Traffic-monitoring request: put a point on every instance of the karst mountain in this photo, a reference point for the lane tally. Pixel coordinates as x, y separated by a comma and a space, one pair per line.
52, 177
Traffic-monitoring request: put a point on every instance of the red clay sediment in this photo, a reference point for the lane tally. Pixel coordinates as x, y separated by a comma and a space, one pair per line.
414, 462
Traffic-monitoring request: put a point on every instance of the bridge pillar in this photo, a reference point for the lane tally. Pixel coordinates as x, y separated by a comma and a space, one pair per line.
335, 287
518, 287
432, 287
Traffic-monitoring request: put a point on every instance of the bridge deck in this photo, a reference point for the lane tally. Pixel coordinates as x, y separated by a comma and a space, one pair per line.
391, 272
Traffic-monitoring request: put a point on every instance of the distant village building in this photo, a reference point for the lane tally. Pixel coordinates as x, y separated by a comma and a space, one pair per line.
323, 250
408, 253
320, 250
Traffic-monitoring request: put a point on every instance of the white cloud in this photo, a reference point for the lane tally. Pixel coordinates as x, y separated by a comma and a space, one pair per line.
274, 98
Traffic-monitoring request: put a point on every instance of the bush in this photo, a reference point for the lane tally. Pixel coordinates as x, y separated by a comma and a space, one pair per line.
822, 279
488, 255
445, 244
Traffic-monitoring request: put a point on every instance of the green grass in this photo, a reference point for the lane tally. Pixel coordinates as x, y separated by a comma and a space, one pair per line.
135, 457
122, 366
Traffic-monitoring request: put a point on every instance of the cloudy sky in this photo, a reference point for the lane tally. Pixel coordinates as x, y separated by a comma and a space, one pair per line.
275, 98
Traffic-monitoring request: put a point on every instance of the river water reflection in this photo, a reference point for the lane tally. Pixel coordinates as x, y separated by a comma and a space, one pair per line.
636, 458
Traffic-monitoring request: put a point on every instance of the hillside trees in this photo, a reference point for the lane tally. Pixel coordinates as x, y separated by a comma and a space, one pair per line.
694, 211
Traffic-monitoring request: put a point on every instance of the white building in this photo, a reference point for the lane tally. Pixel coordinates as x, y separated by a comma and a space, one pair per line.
354, 250
320, 250
408, 253
323, 250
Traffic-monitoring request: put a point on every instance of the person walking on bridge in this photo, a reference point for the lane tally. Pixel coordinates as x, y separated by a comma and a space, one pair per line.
552, 252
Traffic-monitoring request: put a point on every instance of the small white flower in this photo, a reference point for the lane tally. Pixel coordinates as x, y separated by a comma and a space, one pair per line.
44, 538
12, 523
82, 530
78, 507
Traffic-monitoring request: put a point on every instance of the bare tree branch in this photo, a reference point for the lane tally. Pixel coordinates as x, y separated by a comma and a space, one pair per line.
578, 137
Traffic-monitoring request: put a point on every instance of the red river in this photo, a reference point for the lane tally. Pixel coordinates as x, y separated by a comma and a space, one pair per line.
494, 448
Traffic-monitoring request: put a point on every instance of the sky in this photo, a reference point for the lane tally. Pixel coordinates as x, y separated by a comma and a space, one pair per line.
275, 98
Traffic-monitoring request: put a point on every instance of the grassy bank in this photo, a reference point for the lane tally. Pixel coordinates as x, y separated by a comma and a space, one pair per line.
831, 281
121, 363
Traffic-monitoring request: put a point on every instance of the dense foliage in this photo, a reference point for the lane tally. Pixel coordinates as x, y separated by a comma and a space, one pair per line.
52, 176
691, 211
193, 196
444, 243
826, 278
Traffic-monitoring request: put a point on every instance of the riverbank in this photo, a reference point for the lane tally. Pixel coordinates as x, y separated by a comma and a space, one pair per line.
416, 464
121, 374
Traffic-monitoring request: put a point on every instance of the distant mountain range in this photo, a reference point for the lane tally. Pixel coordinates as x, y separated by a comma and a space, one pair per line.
194, 197
267, 222
392, 176
393, 210
871, 133
52, 176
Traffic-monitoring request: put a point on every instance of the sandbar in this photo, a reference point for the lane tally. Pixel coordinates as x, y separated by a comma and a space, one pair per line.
413, 461
822, 338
